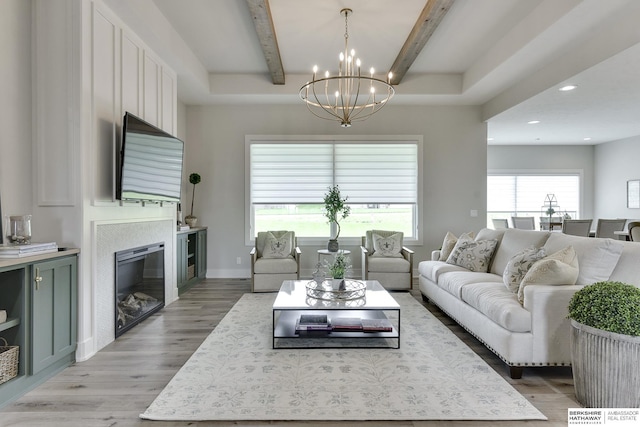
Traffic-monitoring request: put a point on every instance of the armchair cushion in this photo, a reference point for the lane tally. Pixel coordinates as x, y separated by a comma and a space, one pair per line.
388, 265
264, 236
275, 265
278, 247
387, 246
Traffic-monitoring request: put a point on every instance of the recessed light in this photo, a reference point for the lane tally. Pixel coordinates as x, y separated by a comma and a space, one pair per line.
489, 139
534, 122
586, 139
567, 88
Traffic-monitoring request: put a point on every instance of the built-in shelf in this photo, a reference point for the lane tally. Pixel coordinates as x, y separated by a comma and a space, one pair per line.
10, 323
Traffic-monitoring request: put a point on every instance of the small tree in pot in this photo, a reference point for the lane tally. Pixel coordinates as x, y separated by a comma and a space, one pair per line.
335, 209
190, 219
605, 345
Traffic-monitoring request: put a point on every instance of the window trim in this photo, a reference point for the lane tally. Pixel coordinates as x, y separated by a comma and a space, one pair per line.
364, 139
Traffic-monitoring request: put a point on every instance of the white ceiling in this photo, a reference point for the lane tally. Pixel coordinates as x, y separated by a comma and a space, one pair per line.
508, 56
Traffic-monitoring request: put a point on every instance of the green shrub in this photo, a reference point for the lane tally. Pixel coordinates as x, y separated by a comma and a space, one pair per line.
609, 306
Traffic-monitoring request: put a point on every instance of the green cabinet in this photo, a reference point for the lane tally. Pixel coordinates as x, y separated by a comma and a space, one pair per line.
39, 294
191, 253
53, 327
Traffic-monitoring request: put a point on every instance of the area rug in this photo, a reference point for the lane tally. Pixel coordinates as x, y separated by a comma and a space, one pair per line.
236, 375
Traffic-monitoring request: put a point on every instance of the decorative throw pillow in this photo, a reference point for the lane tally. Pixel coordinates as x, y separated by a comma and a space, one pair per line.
387, 246
474, 255
559, 268
518, 266
449, 243
277, 247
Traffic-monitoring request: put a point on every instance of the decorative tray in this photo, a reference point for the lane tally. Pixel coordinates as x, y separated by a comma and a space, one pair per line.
353, 289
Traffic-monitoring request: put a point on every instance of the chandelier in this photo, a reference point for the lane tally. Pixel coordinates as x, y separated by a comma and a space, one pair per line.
347, 96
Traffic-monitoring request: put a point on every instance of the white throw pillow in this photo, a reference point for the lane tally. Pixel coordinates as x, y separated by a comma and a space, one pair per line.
387, 246
474, 255
277, 247
559, 268
449, 243
519, 265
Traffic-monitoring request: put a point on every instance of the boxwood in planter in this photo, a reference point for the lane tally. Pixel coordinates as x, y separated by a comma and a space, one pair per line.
605, 345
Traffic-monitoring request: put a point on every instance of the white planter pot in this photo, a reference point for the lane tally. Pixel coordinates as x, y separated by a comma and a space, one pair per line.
336, 284
605, 367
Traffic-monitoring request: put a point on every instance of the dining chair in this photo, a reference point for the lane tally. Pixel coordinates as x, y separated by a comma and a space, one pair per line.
577, 227
500, 223
634, 231
606, 227
523, 222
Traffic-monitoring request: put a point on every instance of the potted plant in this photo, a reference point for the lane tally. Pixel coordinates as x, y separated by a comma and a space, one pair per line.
605, 345
335, 210
338, 268
190, 219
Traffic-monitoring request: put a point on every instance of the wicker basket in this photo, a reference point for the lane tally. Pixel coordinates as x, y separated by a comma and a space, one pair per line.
8, 361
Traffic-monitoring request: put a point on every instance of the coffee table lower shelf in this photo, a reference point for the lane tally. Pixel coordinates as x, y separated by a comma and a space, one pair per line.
285, 336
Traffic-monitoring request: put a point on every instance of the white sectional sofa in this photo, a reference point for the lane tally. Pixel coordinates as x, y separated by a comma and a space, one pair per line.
536, 331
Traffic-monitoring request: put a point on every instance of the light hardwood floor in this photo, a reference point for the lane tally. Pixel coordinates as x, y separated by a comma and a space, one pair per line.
117, 384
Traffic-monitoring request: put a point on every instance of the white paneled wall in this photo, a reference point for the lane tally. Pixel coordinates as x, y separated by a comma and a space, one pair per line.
89, 69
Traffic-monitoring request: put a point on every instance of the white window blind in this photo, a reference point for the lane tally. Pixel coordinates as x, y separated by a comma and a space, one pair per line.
518, 193
297, 173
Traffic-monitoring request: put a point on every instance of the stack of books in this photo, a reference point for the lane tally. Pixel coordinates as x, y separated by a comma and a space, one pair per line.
313, 323
31, 249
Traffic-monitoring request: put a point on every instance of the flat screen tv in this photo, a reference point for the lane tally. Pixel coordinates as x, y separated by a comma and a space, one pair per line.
151, 163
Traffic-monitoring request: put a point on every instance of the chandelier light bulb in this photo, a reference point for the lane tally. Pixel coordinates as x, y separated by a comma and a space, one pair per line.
341, 56
315, 69
372, 71
326, 74
358, 62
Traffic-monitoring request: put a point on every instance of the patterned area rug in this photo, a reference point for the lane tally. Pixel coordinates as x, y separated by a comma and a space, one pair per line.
236, 375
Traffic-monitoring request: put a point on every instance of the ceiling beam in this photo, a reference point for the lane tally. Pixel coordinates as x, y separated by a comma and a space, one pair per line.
262, 20
426, 24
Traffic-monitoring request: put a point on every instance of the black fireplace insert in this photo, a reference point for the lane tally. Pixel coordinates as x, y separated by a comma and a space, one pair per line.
139, 285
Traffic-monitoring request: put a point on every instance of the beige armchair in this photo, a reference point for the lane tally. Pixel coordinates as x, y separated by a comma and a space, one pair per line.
385, 259
274, 259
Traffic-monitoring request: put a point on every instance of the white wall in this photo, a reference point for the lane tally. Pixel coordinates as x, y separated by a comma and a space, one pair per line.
15, 107
616, 163
454, 174
551, 158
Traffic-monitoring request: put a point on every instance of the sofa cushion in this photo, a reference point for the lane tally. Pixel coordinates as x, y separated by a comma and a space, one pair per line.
596, 257
388, 265
518, 266
499, 304
559, 268
514, 241
433, 269
454, 281
449, 243
275, 265
627, 269
474, 255
387, 246
489, 234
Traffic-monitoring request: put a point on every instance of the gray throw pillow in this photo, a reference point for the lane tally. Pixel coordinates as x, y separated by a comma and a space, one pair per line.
474, 255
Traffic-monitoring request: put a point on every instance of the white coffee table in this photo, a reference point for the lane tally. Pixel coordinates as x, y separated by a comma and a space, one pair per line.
292, 301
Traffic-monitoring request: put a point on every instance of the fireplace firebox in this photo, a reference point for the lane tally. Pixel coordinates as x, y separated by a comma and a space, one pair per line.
139, 285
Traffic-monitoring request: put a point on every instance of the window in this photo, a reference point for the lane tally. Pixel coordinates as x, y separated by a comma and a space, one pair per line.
287, 180
523, 194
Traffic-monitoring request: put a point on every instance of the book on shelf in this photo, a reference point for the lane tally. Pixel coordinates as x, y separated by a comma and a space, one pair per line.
3, 316
17, 251
376, 325
313, 322
346, 324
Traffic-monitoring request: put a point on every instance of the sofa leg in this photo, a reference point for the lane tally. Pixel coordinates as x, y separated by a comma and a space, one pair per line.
515, 372
424, 298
